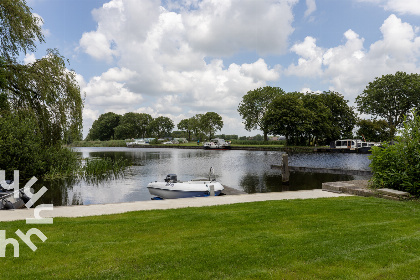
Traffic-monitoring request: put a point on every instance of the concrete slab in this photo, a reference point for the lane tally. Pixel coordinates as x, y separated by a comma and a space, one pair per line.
115, 208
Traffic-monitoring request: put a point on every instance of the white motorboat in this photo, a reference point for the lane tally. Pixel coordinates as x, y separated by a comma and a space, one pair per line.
137, 142
172, 188
354, 145
217, 143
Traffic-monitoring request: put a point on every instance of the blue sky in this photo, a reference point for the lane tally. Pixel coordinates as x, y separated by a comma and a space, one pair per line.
178, 58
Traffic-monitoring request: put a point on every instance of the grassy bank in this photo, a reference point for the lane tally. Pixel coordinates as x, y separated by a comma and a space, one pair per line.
342, 238
260, 146
110, 143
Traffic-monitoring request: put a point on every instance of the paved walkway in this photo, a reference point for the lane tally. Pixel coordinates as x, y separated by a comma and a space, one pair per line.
115, 208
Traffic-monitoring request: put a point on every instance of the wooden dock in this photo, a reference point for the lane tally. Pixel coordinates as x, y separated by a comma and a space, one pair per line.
325, 170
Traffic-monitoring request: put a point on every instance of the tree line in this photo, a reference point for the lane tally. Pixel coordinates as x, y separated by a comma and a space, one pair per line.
141, 125
319, 118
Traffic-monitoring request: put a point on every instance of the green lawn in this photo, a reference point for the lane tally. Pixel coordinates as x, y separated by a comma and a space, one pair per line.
335, 238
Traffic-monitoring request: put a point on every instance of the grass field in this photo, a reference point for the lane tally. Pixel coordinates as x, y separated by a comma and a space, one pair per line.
335, 238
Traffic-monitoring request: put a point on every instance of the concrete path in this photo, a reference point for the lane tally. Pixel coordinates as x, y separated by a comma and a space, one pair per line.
115, 208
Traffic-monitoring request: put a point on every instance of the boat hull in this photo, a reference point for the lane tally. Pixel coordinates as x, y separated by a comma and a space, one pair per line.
183, 190
8, 201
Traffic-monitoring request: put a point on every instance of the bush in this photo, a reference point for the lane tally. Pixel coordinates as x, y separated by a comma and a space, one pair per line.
22, 148
398, 166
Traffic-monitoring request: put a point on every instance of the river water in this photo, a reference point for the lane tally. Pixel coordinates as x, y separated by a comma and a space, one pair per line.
247, 171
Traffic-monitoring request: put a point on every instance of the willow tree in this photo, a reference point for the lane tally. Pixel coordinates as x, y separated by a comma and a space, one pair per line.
51, 92
43, 93
19, 29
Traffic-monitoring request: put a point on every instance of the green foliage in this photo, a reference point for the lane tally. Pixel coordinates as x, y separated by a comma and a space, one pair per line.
19, 28
186, 125
161, 126
51, 92
109, 143
391, 97
286, 115
253, 107
40, 103
309, 118
22, 148
133, 125
398, 166
343, 118
104, 167
227, 137
258, 143
103, 128
373, 130
211, 122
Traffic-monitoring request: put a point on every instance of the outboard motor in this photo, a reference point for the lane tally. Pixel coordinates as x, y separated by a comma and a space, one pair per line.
171, 178
23, 196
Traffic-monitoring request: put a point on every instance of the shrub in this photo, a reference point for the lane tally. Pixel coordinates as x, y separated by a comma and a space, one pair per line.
22, 148
398, 166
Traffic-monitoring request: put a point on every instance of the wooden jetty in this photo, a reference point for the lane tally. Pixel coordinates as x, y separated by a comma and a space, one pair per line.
325, 170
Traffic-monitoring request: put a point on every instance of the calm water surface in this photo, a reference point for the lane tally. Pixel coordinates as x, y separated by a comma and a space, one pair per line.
248, 171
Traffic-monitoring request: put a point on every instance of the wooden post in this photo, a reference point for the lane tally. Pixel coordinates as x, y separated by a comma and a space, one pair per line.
285, 169
211, 190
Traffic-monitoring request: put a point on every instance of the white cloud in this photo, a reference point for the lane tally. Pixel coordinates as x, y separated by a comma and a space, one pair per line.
404, 6
222, 27
310, 61
399, 6
348, 68
259, 70
97, 45
311, 7
161, 53
45, 32
29, 58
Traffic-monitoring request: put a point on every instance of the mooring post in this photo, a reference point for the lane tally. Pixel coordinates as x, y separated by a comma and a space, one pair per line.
285, 169
211, 190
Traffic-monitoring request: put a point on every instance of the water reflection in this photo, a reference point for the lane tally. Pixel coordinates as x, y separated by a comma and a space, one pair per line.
243, 170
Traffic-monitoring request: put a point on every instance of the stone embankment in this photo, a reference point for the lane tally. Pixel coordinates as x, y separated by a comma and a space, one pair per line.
361, 188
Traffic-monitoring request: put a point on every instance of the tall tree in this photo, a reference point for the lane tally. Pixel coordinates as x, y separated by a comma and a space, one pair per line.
196, 126
286, 115
40, 103
20, 29
319, 117
211, 122
186, 125
133, 125
104, 127
162, 126
391, 97
253, 107
342, 118
48, 89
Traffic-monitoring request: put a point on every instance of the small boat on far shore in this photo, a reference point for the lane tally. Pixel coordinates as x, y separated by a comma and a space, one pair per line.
137, 142
217, 143
356, 145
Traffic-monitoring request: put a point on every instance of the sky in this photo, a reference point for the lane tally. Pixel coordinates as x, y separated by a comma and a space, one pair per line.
179, 58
